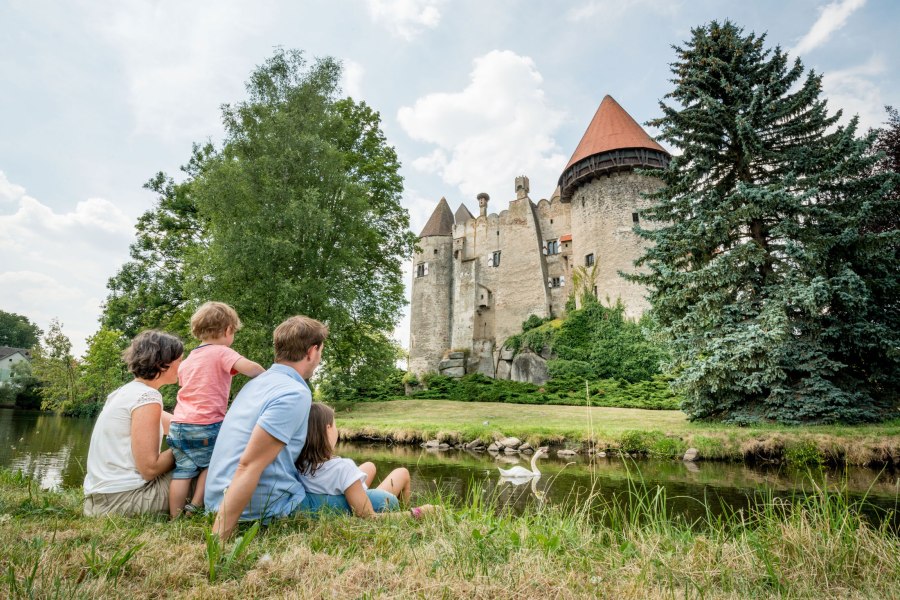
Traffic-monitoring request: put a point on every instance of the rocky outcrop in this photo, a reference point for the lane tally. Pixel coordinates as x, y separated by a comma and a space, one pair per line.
529, 367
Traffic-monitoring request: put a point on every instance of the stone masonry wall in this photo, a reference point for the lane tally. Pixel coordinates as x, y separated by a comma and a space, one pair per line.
602, 224
430, 310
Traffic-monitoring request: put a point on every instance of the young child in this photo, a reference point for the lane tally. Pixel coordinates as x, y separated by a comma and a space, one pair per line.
335, 482
205, 379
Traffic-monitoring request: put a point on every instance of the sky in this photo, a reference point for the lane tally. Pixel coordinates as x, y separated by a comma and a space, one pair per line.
97, 96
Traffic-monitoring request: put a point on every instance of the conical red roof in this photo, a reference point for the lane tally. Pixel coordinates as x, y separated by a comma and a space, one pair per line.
612, 129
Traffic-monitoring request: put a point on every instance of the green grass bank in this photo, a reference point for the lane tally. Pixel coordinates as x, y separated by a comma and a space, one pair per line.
812, 548
660, 433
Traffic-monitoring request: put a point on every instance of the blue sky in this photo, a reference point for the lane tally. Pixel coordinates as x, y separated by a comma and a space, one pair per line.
98, 96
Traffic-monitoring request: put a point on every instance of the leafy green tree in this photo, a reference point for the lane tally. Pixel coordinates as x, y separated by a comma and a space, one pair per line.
776, 299
148, 292
56, 369
17, 331
24, 386
298, 212
102, 369
302, 212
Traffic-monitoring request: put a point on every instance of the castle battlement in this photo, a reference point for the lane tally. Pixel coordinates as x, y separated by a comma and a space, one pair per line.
476, 279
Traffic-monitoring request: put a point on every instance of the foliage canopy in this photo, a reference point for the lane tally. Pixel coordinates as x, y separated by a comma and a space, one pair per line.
777, 300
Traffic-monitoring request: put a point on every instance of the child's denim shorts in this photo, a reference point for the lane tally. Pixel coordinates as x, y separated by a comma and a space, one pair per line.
192, 446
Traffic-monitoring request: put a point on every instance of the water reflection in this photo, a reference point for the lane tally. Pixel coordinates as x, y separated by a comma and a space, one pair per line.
53, 450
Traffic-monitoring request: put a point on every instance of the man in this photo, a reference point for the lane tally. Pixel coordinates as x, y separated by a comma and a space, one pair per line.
252, 473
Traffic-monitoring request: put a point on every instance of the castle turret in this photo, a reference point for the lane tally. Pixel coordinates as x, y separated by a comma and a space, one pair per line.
430, 310
605, 194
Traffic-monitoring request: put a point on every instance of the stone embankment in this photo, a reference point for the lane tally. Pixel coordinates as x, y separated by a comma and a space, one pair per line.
513, 445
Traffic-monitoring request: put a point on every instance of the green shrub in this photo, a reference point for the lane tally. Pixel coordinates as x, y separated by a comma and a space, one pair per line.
804, 453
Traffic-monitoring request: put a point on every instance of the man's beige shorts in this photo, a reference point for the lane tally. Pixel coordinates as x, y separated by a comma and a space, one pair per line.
152, 498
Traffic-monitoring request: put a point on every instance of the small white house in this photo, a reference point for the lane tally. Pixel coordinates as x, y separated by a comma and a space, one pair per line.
8, 358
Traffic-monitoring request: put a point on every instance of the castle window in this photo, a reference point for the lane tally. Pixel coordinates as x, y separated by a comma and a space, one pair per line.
556, 282
552, 247
589, 260
421, 269
435, 250
456, 254
595, 291
493, 259
635, 218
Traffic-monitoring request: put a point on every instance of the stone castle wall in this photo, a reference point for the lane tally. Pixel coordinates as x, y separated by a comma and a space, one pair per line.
430, 310
466, 303
602, 225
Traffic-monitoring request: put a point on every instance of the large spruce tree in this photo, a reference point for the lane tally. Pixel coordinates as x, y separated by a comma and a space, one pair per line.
778, 300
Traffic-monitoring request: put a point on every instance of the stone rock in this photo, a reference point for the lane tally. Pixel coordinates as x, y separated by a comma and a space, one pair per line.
443, 446
432, 444
475, 444
510, 442
529, 367
454, 372
494, 447
507, 353
526, 447
691, 455
451, 363
510, 450
503, 369
601, 454
566, 452
546, 353
456, 355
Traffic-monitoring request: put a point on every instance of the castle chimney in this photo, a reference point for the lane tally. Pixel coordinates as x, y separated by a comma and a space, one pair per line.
482, 204
522, 187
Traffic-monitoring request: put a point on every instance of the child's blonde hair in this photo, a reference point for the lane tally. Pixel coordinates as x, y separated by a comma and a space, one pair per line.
212, 319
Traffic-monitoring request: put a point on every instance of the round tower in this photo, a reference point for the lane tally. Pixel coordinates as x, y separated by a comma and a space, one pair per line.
430, 309
605, 193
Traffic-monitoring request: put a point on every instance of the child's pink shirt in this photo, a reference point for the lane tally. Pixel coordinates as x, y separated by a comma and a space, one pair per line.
205, 380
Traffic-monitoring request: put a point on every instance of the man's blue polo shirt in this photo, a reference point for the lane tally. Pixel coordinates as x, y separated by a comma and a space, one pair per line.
278, 401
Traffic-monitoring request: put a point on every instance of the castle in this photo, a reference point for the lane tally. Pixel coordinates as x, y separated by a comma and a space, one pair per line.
476, 279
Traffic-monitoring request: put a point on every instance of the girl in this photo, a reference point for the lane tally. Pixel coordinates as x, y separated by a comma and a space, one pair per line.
331, 481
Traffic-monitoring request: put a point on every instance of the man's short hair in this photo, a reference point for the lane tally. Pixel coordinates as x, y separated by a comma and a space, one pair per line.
212, 319
151, 352
296, 336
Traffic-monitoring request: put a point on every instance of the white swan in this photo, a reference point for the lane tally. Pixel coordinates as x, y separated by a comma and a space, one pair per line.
518, 472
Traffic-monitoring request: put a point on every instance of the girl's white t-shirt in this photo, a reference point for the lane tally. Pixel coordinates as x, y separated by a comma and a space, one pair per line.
333, 477
110, 463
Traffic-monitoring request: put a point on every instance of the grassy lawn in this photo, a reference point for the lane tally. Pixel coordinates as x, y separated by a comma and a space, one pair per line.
815, 548
663, 432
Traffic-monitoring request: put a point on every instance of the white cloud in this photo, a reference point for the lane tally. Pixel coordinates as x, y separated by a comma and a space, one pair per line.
855, 91
498, 127
833, 17
612, 9
55, 264
351, 79
181, 60
406, 18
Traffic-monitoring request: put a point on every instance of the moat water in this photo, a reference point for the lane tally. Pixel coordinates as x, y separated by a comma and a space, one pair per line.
53, 451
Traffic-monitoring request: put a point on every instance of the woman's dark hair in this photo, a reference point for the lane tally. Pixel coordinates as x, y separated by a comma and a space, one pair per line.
317, 449
151, 352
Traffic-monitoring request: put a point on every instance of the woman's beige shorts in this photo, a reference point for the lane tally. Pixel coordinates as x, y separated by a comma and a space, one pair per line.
152, 498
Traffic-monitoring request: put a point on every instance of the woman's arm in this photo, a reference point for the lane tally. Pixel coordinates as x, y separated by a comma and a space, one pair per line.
261, 450
145, 442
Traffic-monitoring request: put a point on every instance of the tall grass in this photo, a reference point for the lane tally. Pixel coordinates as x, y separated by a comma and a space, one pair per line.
819, 544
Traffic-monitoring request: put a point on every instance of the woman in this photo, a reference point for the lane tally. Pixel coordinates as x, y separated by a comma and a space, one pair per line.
126, 472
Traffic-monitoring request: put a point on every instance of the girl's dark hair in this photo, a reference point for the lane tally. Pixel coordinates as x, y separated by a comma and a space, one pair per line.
317, 449
151, 352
